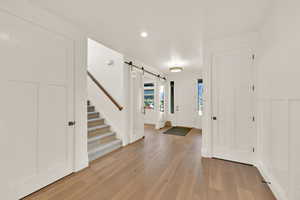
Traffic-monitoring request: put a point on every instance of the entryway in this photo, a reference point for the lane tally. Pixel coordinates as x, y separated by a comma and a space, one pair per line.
186, 99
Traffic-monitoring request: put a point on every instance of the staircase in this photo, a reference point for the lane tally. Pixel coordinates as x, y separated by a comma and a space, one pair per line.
101, 140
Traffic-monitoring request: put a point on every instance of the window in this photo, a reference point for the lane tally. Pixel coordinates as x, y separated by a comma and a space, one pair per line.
172, 97
200, 96
162, 99
149, 95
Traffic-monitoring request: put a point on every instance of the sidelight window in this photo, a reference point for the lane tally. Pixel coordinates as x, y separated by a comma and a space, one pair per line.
200, 96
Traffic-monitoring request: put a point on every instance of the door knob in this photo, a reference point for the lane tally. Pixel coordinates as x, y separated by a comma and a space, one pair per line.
71, 123
214, 118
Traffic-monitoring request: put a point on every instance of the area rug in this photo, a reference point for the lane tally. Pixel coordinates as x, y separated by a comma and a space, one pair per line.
180, 131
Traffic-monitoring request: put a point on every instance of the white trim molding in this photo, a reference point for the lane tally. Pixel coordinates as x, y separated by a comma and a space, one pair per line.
274, 185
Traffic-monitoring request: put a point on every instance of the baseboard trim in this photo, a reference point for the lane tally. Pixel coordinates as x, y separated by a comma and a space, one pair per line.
274, 185
149, 124
138, 140
204, 153
81, 166
232, 161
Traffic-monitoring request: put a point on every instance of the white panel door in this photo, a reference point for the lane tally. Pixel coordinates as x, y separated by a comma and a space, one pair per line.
185, 102
36, 86
294, 149
233, 128
137, 105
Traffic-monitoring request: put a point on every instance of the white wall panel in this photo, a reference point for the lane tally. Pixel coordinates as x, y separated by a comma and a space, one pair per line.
19, 129
294, 129
52, 126
279, 145
280, 142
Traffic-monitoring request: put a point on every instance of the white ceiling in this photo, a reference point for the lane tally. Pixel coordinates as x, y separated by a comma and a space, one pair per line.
177, 29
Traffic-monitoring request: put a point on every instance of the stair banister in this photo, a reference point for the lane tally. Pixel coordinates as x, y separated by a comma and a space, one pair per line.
105, 91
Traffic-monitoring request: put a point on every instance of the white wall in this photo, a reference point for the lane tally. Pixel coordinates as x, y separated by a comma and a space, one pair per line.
110, 76
279, 99
114, 78
189, 78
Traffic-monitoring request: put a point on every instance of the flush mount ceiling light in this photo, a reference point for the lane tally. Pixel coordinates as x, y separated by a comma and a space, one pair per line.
176, 69
144, 34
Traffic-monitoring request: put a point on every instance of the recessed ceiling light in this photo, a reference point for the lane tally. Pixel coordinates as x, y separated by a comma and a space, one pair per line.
144, 34
176, 69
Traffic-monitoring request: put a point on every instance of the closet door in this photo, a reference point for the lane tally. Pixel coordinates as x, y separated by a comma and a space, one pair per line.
36, 104
234, 134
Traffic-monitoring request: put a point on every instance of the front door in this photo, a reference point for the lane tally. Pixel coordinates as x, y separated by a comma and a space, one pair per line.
233, 127
36, 85
185, 102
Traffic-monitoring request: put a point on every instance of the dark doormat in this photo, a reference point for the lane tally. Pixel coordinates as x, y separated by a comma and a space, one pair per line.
180, 131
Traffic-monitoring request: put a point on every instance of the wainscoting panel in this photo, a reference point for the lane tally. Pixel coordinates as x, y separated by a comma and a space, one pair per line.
294, 129
279, 142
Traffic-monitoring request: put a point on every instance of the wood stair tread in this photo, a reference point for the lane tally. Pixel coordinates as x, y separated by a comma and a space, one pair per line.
93, 112
95, 119
98, 127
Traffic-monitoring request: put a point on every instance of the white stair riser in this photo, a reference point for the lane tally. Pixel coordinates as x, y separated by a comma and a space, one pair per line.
98, 154
97, 143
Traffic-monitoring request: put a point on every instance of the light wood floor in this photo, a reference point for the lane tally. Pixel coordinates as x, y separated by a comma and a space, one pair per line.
160, 167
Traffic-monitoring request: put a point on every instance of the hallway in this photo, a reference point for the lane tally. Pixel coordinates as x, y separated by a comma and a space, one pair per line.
160, 167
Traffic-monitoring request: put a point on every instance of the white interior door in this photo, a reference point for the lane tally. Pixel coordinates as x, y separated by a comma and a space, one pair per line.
137, 105
36, 85
233, 128
185, 102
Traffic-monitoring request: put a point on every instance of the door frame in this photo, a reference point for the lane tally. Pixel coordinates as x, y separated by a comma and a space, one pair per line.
213, 127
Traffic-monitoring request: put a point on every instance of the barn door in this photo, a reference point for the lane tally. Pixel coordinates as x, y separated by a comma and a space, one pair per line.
137, 105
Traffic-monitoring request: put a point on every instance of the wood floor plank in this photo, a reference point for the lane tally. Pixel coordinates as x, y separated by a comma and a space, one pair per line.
160, 167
